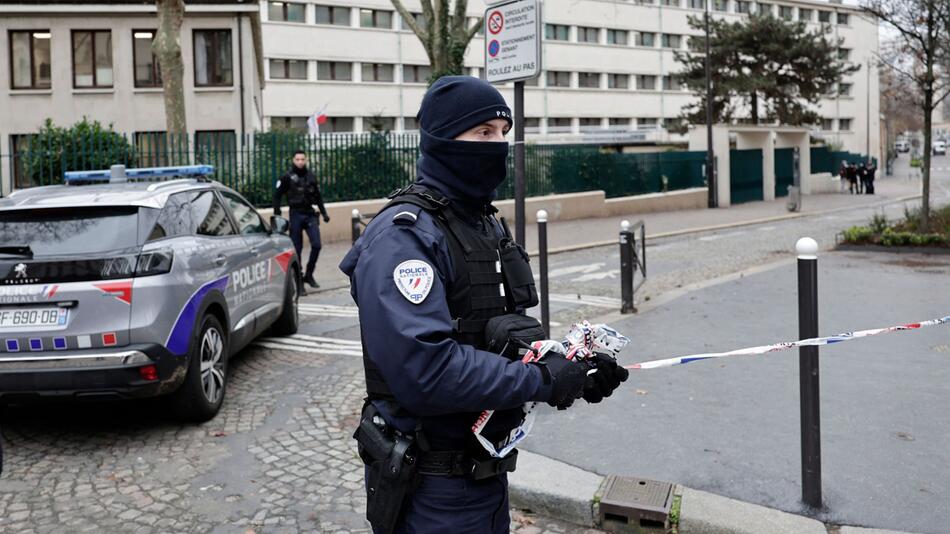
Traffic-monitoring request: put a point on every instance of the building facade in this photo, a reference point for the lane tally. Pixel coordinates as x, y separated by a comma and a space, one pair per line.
69, 60
607, 66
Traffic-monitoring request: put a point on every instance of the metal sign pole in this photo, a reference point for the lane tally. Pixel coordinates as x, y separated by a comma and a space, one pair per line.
519, 164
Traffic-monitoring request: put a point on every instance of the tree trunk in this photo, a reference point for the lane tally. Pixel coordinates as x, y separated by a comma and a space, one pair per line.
928, 150
167, 47
754, 102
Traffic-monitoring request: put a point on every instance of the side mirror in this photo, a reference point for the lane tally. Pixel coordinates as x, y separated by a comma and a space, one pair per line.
279, 224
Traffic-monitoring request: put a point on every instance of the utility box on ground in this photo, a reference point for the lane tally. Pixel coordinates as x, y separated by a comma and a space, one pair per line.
635, 505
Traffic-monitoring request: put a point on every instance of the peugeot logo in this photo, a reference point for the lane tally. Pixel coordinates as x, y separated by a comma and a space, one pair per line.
20, 270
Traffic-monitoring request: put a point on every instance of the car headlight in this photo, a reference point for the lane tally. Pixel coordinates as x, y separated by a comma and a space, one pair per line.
154, 262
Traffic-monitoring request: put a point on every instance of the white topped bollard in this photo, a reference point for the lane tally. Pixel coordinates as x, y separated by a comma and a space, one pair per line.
542, 217
627, 267
625, 225
807, 250
355, 219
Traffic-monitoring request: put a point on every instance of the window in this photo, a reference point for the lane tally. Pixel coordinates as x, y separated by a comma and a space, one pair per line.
296, 124
618, 81
92, 58
334, 70
559, 123
147, 71
824, 16
212, 219
558, 78
617, 37
844, 125
671, 83
844, 54
216, 147
532, 124
842, 19
786, 12
589, 123
764, 9
804, 15
152, 149
619, 122
669, 40
418, 18
827, 125
743, 6
530, 82
720, 5
827, 89
286, 11
588, 79
844, 89
416, 73
337, 16
557, 32
410, 124
647, 123
213, 65
248, 220
588, 35
379, 124
671, 3
21, 146
646, 82
696, 43
30, 64
377, 72
337, 124
376, 18
697, 4
646, 39
91, 230
288, 69
175, 218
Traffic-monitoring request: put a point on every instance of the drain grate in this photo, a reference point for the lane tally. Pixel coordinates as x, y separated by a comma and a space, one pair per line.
636, 502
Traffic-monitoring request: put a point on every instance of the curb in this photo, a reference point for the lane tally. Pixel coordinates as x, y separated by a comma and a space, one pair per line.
566, 492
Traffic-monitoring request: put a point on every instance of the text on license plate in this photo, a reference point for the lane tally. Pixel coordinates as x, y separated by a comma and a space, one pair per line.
33, 318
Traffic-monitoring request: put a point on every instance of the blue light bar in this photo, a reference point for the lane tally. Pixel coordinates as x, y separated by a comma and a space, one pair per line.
142, 173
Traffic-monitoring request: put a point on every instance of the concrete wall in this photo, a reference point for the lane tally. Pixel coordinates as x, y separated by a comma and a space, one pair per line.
567, 207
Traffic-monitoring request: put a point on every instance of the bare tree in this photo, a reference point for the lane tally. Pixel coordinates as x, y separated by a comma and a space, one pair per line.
923, 28
444, 33
167, 47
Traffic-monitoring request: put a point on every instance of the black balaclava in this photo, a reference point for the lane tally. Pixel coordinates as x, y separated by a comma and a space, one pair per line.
467, 172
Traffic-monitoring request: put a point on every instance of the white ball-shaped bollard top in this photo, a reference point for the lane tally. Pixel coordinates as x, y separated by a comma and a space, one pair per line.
807, 249
542, 216
355, 213
624, 225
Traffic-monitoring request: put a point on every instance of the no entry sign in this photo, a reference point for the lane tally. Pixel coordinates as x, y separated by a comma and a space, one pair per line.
513, 41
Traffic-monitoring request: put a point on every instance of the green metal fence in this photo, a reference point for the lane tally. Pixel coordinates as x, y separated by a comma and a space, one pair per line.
348, 166
825, 160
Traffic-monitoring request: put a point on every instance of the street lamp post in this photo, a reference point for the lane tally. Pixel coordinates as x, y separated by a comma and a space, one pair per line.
710, 157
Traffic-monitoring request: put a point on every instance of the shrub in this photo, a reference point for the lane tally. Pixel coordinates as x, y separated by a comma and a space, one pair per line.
858, 234
878, 223
84, 146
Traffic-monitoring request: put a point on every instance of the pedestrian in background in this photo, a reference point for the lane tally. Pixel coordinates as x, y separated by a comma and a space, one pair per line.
300, 186
843, 175
862, 178
869, 171
852, 173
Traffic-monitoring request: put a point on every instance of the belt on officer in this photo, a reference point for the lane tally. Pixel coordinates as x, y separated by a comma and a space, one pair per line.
461, 463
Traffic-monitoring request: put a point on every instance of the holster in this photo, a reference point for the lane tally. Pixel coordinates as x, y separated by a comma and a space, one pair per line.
392, 469
519, 282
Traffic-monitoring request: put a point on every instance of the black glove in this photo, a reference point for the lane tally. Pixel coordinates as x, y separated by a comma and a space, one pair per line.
608, 377
567, 378
326, 218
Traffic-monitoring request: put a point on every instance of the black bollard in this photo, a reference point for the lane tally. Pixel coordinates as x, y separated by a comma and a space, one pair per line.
808, 371
543, 261
355, 224
628, 267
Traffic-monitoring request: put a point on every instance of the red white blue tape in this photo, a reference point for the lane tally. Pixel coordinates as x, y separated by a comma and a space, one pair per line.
847, 336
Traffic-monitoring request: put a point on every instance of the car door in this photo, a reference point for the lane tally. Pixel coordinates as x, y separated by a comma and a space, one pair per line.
268, 293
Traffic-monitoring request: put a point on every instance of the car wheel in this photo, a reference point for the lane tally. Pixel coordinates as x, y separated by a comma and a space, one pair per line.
287, 323
201, 394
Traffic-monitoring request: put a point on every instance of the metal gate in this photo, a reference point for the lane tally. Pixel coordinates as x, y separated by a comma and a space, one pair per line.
784, 170
745, 175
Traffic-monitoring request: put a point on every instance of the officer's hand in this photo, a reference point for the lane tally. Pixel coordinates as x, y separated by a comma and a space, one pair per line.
608, 377
326, 218
567, 378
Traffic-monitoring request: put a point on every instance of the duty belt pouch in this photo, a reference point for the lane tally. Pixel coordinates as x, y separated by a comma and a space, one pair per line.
519, 282
392, 471
505, 334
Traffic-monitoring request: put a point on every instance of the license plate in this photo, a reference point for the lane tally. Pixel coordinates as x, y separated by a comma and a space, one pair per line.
33, 318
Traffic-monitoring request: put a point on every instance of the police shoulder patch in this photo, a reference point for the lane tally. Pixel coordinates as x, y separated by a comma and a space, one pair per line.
414, 280
277, 185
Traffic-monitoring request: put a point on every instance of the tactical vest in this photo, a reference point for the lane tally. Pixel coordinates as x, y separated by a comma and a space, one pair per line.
492, 275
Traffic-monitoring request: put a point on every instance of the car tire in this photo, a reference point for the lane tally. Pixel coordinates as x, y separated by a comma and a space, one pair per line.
202, 393
289, 320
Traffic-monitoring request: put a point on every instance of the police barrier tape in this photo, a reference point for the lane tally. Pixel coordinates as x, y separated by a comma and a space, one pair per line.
763, 349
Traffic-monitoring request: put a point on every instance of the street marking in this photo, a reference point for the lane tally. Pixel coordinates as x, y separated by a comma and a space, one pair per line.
574, 269
328, 310
588, 300
766, 228
312, 344
597, 276
720, 236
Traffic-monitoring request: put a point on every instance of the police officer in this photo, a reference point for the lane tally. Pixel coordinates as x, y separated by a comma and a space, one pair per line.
441, 290
302, 192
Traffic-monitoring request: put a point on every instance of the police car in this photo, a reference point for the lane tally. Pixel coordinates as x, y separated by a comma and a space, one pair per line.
118, 285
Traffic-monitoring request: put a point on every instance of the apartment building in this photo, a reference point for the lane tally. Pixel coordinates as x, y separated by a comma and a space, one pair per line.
66, 60
607, 66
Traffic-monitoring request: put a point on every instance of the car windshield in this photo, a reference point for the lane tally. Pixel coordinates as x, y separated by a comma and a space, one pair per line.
68, 231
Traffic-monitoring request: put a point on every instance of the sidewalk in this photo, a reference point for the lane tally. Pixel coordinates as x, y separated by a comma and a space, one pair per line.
565, 234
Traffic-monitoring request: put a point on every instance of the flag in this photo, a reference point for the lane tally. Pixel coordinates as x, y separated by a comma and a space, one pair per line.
314, 121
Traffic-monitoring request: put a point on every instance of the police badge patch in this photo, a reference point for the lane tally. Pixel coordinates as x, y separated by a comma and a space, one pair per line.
414, 280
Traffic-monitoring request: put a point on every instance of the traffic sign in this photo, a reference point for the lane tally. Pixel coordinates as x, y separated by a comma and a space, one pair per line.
514, 50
